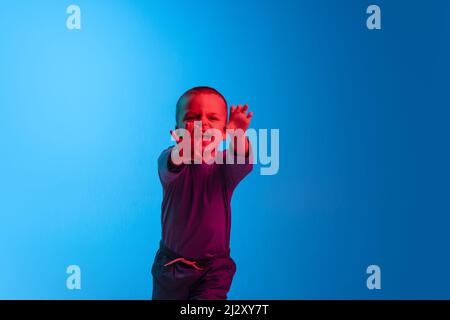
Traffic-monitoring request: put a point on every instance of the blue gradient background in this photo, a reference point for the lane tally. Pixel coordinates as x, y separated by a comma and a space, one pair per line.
363, 118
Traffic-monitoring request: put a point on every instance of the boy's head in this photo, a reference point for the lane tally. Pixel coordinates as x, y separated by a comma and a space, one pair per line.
203, 104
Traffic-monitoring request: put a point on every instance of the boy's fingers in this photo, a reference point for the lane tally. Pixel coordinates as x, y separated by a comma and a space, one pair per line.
175, 136
244, 109
250, 115
232, 109
239, 108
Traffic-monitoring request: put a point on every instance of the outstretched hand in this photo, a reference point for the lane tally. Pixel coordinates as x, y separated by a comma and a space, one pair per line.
194, 151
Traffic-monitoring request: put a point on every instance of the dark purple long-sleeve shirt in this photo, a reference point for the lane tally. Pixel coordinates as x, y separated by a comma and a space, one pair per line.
196, 206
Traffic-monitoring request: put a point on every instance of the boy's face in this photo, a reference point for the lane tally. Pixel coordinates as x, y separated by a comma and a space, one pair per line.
208, 108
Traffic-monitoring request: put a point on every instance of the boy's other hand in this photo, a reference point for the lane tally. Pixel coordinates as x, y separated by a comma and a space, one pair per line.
239, 118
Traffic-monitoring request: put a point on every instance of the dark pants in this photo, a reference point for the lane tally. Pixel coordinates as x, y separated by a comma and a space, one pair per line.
182, 281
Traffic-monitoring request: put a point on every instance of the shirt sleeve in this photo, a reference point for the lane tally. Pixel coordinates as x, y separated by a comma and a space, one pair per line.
240, 167
166, 173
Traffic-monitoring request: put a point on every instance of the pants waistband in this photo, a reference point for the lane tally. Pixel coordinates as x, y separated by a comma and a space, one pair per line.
173, 255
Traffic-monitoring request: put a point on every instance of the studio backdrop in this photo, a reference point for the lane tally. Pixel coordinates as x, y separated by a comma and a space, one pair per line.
356, 205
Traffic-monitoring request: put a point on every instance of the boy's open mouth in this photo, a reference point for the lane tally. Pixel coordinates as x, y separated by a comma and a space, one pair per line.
207, 136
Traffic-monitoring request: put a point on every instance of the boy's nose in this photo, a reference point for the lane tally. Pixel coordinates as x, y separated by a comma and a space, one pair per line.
205, 124
202, 125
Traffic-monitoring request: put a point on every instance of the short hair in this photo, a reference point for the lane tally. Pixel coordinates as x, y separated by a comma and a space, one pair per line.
198, 90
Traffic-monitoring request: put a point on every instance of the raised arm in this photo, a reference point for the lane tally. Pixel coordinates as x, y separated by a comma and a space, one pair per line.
237, 125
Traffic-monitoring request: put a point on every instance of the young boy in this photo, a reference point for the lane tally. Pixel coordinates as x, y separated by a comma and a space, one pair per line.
193, 260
